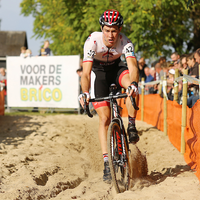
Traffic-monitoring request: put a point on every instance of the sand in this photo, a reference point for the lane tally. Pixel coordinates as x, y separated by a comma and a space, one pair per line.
58, 157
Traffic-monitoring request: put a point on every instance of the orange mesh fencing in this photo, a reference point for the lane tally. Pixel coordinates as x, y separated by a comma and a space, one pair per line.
2, 102
192, 138
174, 120
154, 115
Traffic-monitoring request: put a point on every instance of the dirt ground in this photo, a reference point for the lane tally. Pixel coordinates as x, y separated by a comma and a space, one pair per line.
58, 157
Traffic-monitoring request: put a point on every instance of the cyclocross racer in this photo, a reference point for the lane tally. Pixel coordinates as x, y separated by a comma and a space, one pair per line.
102, 67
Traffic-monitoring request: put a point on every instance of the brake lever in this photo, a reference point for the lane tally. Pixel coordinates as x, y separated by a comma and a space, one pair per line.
86, 107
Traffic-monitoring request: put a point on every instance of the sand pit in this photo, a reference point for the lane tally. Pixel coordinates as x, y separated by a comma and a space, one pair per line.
58, 157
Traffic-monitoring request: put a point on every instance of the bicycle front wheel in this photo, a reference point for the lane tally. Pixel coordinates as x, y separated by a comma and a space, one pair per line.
118, 158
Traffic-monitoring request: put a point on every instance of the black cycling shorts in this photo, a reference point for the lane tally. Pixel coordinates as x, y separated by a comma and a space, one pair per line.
103, 75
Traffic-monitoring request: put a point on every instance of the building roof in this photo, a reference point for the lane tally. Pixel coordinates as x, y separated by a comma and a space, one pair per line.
11, 42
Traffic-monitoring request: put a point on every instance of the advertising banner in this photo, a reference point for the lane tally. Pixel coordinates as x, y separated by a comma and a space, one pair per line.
46, 81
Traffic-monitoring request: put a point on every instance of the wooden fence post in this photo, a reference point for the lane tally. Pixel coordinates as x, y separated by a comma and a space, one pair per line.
142, 102
176, 86
184, 112
165, 103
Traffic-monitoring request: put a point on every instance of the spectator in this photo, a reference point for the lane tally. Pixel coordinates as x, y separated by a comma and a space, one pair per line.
177, 64
162, 59
175, 56
175, 59
2, 74
193, 65
170, 84
81, 63
152, 71
23, 52
28, 53
142, 65
45, 51
194, 72
197, 55
148, 88
3, 79
79, 72
159, 72
165, 68
183, 63
170, 65
149, 77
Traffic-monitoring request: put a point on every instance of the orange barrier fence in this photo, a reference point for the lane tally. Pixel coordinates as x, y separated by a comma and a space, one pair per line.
2, 102
154, 115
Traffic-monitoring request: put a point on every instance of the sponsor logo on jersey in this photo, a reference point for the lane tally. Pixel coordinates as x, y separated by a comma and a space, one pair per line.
90, 53
129, 49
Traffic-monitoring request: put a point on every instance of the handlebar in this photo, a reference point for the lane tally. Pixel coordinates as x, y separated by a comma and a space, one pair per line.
86, 107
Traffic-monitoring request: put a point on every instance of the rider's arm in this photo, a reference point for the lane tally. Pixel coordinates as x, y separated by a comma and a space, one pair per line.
129, 52
89, 52
133, 69
85, 78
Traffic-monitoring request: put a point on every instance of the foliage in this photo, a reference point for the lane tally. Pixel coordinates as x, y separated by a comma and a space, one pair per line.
153, 26
188, 3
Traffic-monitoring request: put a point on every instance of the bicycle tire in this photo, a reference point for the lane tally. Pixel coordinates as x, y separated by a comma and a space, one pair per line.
119, 173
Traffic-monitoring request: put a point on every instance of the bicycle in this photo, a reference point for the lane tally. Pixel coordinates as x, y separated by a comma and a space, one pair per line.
118, 146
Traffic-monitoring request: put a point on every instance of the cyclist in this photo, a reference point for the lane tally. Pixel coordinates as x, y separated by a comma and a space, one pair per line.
102, 67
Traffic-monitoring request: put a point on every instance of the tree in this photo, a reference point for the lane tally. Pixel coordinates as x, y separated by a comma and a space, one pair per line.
154, 26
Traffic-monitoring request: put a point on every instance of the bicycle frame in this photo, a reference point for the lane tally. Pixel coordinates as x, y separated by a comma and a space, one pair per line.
115, 116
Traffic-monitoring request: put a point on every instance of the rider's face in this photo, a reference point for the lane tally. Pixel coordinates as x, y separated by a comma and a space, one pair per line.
110, 35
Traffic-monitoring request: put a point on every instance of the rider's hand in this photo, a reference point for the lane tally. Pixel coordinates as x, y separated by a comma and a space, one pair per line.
132, 90
81, 97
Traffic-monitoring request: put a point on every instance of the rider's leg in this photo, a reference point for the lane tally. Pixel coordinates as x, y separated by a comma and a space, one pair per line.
132, 131
104, 121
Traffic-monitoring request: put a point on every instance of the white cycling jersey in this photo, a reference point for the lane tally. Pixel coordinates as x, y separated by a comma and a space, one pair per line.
94, 48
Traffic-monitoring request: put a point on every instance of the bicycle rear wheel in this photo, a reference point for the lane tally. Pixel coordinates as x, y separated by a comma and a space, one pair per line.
119, 162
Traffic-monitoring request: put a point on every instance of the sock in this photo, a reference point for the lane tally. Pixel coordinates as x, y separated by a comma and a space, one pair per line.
105, 157
131, 120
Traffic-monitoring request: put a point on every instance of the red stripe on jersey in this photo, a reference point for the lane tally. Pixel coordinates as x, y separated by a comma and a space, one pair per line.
116, 16
122, 75
100, 104
130, 57
87, 61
